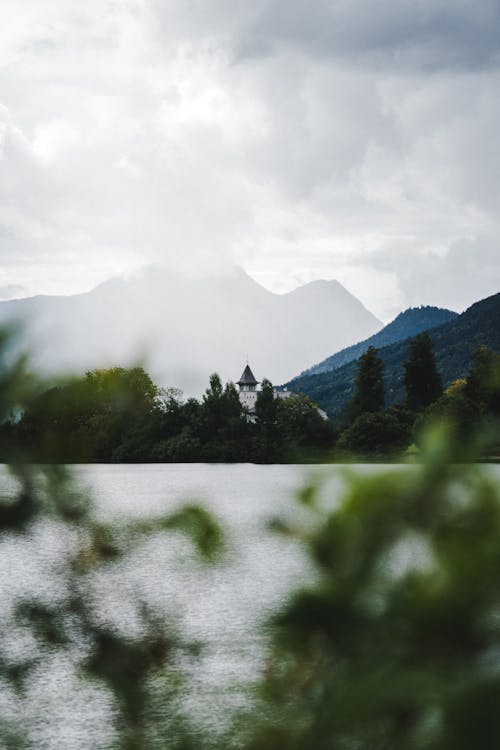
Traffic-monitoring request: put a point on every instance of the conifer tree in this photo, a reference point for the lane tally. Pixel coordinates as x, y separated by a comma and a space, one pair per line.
422, 380
266, 411
482, 386
369, 394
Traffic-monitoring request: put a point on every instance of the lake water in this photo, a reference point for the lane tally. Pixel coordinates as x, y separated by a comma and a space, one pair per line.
224, 607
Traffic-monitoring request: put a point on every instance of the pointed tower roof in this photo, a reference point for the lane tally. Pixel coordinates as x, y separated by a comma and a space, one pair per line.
248, 378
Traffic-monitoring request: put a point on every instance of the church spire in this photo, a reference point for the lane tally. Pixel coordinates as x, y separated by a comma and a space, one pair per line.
248, 378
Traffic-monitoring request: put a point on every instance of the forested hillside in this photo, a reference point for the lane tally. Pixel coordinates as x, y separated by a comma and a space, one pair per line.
406, 325
454, 343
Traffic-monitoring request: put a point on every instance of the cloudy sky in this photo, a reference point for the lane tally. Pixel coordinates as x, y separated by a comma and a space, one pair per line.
303, 139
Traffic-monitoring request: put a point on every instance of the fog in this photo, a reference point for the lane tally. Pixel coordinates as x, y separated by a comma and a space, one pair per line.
184, 327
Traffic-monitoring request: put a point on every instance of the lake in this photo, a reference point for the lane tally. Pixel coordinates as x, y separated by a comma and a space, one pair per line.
223, 607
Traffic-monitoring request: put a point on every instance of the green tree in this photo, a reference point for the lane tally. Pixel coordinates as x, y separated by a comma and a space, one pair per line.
222, 426
266, 406
124, 400
483, 381
132, 389
369, 393
456, 412
235, 431
267, 445
55, 423
375, 434
302, 427
422, 380
89, 418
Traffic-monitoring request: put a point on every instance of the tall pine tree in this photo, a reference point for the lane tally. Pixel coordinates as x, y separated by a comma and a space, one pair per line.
422, 380
369, 394
266, 412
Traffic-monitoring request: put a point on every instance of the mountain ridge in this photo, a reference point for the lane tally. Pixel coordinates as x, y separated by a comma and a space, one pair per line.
454, 344
408, 323
185, 328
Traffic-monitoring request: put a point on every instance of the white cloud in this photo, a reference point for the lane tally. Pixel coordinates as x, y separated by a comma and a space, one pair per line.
301, 140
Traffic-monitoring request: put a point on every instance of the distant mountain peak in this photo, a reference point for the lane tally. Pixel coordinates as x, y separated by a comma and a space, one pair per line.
321, 286
187, 326
405, 325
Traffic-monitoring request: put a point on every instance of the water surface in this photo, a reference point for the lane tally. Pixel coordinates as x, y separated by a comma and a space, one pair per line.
223, 607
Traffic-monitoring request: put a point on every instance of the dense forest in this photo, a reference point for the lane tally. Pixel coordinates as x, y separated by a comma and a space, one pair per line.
466, 408
454, 343
120, 415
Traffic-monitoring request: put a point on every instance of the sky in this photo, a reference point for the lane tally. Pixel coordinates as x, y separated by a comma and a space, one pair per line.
302, 139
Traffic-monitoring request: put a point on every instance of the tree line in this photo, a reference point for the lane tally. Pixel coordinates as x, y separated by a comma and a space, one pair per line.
468, 406
120, 415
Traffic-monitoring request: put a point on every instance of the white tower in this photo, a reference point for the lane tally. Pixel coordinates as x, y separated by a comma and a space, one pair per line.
248, 389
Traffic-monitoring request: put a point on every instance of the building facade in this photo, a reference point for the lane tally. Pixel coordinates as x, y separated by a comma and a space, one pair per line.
249, 391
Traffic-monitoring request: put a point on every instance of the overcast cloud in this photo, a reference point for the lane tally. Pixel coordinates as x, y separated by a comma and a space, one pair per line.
303, 139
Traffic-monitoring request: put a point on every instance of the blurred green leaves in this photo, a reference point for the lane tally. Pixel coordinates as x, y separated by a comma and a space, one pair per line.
397, 645
199, 525
126, 663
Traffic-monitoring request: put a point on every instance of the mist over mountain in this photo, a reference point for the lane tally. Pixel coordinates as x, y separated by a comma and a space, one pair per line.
454, 346
185, 328
407, 324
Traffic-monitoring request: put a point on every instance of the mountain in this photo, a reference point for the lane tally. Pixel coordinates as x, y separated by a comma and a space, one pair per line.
185, 328
454, 345
406, 325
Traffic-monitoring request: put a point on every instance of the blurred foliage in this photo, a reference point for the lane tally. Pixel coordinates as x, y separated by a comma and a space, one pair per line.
395, 646
69, 623
126, 664
86, 418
